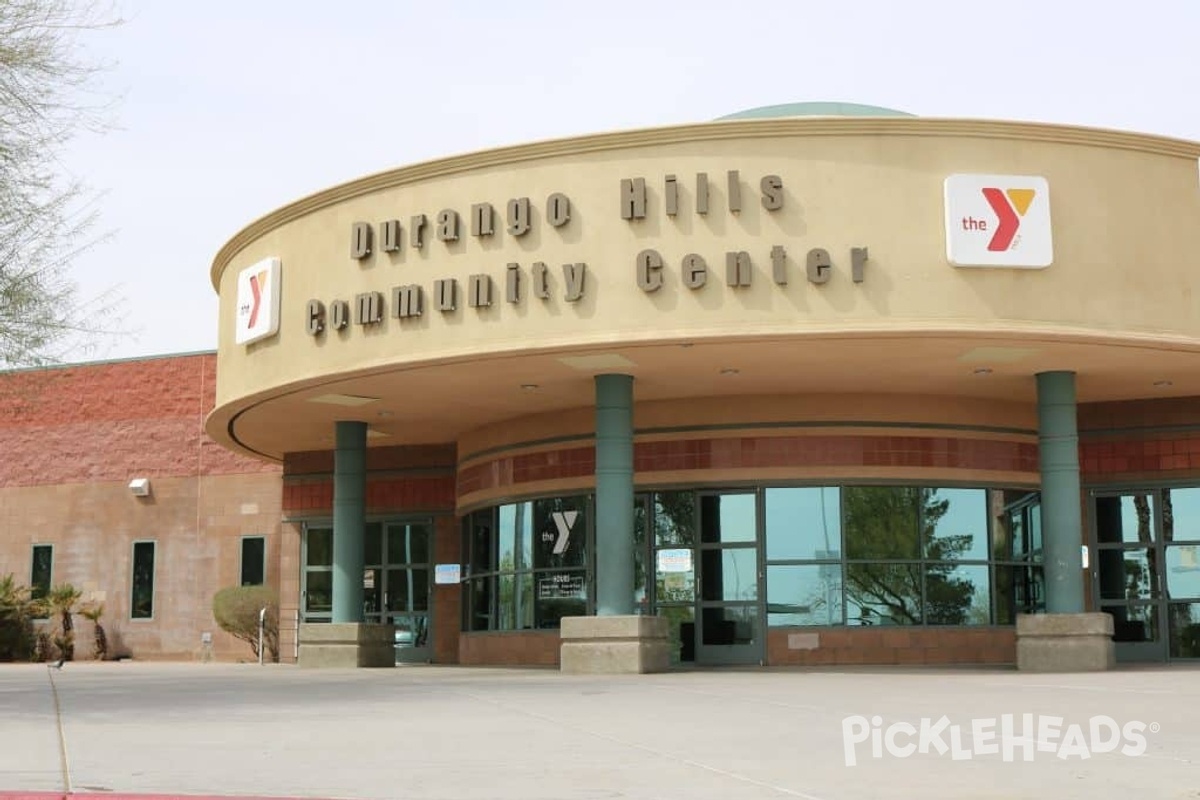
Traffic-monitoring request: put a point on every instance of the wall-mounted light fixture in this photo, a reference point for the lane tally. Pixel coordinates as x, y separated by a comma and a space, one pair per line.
140, 487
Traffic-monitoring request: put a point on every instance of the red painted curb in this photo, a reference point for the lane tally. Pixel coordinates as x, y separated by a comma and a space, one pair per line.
125, 796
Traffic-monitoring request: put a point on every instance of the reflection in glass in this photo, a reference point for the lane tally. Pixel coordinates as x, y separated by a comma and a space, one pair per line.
804, 594
1134, 623
883, 594
954, 524
418, 544
373, 544
1127, 518
1183, 621
957, 594
516, 537
681, 631
481, 541
318, 593
728, 625
320, 547
729, 573
1129, 573
372, 591
1181, 515
1183, 571
881, 521
674, 519
515, 601
412, 630
804, 523
728, 518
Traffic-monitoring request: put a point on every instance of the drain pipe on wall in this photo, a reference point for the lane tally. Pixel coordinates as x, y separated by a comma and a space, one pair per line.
262, 615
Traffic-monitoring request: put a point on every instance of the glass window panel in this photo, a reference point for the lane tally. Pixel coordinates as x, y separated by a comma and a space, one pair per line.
1134, 623
673, 585
318, 592
516, 537
1005, 596
523, 600
1128, 573
142, 605
1029, 589
418, 578
373, 591
1127, 518
1183, 625
954, 524
957, 594
883, 594
804, 523
1033, 524
480, 618
674, 519
641, 601
373, 544
729, 573
729, 625
804, 594
41, 570
881, 521
412, 630
481, 542
254, 559
1181, 515
1183, 570
681, 632
400, 592
559, 594
418, 544
560, 532
320, 547
728, 518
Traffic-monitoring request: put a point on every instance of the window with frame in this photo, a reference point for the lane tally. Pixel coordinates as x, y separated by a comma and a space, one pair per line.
41, 571
527, 564
142, 594
254, 560
1017, 554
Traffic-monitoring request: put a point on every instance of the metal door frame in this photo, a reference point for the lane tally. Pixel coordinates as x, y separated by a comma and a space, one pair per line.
720, 655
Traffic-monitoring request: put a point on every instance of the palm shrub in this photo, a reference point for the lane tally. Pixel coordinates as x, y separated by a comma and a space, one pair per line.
92, 613
63, 602
236, 609
17, 612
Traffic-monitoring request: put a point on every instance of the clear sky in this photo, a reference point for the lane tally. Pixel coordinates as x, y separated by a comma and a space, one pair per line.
231, 108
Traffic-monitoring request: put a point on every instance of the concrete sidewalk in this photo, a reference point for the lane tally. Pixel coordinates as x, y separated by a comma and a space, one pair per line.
444, 732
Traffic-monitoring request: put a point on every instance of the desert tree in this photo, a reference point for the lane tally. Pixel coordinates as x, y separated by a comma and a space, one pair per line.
49, 92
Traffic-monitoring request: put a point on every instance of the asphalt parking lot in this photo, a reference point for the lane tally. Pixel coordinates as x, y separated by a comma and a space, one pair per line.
444, 732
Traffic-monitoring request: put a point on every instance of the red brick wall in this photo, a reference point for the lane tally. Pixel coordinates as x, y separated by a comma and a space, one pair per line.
761, 452
873, 645
111, 422
515, 648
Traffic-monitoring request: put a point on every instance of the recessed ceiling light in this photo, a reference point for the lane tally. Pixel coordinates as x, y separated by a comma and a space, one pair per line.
1163, 384
982, 371
730, 371
686, 345
386, 414
529, 387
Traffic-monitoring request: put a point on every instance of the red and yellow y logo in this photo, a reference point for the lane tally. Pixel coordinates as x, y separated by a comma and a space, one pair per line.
258, 288
1010, 206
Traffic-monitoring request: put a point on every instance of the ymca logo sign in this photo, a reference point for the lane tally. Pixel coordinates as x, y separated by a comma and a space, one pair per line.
564, 521
998, 221
258, 301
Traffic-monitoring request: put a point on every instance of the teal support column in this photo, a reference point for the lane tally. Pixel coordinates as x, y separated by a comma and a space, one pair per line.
614, 495
349, 520
1062, 525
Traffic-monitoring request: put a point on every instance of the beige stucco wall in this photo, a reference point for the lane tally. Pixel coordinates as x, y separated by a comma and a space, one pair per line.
1125, 211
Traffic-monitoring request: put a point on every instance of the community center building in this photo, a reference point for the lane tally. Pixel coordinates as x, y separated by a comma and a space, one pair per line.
810, 384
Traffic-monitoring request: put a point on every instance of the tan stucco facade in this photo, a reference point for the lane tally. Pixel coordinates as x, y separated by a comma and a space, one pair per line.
1116, 306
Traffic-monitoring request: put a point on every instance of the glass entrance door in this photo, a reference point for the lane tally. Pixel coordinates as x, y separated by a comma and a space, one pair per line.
729, 627
396, 584
1129, 573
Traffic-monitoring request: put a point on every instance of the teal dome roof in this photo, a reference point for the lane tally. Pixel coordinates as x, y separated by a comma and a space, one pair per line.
816, 110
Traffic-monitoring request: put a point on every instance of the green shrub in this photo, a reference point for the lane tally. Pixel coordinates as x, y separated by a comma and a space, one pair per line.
17, 612
236, 609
